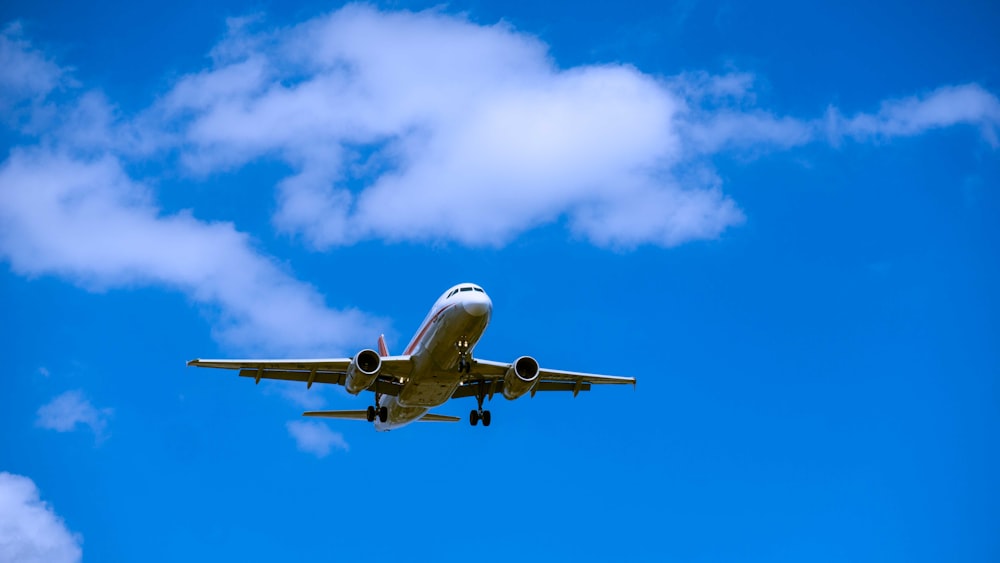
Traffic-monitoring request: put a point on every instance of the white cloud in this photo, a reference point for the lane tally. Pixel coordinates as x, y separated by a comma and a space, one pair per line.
967, 104
68, 208
456, 131
70, 410
30, 531
27, 78
722, 116
316, 437
86, 220
427, 127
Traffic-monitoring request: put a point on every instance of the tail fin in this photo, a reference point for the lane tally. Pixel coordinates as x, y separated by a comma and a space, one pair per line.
383, 350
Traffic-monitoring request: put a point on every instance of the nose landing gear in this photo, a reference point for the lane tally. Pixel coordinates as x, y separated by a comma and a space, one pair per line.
464, 362
464, 365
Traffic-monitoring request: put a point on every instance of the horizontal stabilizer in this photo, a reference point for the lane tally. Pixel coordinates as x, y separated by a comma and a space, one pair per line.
363, 415
353, 415
429, 417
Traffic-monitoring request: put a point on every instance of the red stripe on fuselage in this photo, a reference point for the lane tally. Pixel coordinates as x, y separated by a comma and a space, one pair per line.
427, 325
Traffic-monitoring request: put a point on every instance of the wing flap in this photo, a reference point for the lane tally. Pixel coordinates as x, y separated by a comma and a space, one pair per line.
471, 389
321, 377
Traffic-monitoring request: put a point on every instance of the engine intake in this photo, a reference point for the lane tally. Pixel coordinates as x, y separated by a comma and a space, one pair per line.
521, 376
362, 371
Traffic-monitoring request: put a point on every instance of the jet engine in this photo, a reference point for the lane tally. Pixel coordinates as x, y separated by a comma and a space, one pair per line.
362, 372
521, 376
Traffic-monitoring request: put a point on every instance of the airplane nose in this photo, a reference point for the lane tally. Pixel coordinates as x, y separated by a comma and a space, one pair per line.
478, 305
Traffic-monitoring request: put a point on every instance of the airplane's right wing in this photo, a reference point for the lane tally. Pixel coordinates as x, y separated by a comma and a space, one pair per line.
332, 371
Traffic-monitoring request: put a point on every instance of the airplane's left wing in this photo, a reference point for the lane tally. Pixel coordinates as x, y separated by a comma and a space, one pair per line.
488, 376
332, 371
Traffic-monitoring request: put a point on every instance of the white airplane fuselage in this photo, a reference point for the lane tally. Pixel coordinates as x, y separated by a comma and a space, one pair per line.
453, 327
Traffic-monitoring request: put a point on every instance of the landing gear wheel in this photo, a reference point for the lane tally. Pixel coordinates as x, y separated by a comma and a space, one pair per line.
486, 418
474, 418
370, 414
383, 414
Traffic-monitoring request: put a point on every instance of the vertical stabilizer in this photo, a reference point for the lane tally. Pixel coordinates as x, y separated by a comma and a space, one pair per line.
383, 350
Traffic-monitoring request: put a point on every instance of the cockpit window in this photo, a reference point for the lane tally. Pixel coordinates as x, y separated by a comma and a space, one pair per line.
452, 292
479, 289
466, 289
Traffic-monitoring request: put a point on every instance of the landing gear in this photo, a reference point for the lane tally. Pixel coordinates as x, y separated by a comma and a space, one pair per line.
476, 415
376, 411
464, 361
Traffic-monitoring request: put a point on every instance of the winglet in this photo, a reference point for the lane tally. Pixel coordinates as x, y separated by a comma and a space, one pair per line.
383, 350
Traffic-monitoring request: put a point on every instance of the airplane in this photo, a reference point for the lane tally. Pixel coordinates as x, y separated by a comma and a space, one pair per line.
436, 366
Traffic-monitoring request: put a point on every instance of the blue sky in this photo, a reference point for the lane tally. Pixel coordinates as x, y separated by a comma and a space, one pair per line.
781, 218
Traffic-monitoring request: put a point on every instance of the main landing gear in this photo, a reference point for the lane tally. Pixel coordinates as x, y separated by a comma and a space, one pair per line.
477, 415
381, 412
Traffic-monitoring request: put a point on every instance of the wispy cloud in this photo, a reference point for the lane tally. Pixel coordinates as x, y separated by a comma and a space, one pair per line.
86, 220
967, 104
69, 208
71, 410
28, 77
316, 437
722, 115
30, 531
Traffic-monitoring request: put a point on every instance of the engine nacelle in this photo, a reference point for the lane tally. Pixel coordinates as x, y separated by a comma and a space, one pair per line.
362, 372
521, 376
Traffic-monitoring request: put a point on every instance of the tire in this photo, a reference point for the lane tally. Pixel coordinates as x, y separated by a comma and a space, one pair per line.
383, 414
486, 418
370, 414
473, 417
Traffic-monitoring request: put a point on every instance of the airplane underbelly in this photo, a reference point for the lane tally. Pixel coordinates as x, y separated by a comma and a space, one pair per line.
430, 389
436, 376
